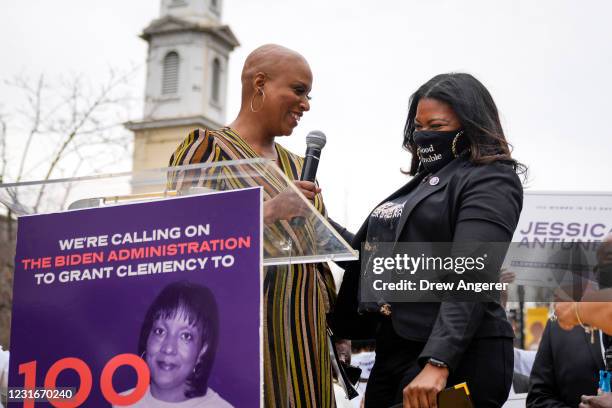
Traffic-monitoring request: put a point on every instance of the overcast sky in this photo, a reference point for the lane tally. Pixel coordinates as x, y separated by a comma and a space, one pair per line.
547, 64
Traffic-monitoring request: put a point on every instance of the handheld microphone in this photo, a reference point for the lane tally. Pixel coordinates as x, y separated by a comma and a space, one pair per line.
315, 141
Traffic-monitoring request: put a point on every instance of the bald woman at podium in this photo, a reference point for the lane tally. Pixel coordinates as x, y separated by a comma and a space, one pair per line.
276, 83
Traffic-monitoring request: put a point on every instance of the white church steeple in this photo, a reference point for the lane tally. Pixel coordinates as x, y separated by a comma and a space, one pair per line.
186, 80
204, 10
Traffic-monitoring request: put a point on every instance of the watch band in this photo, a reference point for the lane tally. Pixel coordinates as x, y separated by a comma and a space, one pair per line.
437, 363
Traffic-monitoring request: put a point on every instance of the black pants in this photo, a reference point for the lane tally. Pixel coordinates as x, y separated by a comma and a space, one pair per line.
486, 367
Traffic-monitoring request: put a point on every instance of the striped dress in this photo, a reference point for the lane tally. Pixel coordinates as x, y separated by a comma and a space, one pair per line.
297, 366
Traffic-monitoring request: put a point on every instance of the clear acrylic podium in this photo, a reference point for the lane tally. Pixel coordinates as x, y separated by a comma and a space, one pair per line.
308, 239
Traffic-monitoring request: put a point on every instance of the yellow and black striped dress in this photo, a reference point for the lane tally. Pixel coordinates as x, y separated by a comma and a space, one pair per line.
297, 366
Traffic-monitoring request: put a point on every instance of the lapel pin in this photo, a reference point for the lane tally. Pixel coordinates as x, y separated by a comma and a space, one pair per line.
434, 181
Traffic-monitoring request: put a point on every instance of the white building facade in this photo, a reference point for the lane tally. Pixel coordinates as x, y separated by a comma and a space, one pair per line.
186, 80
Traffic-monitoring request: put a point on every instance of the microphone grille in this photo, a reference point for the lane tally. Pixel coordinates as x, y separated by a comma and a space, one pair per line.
316, 138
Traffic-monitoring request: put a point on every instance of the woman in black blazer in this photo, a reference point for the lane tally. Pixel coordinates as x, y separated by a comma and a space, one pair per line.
465, 188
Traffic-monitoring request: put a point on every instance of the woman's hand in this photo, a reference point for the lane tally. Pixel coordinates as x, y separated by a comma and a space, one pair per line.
566, 315
288, 204
423, 391
343, 348
308, 188
599, 401
506, 276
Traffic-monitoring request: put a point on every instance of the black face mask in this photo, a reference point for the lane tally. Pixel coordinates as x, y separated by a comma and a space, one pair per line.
434, 148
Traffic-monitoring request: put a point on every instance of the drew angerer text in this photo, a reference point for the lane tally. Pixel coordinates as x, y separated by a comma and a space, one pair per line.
424, 284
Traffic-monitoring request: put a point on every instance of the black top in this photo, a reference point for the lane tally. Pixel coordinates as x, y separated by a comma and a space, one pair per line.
566, 366
382, 228
384, 220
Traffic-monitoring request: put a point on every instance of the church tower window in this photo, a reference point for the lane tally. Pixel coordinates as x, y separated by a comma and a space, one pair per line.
216, 80
170, 73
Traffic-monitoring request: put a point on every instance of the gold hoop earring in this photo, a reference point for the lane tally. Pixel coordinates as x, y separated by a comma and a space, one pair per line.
454, 147
263, 98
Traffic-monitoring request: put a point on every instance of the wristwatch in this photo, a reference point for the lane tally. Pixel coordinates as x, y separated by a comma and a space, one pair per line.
437, 363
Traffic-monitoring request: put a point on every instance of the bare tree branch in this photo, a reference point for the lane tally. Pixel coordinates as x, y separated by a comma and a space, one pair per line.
80, 119
3, 160
35, 99
68, 124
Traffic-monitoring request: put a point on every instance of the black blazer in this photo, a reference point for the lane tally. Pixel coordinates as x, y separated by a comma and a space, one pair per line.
567, 366
470, 202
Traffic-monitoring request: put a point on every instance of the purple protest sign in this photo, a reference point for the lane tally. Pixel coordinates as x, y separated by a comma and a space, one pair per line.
156, 301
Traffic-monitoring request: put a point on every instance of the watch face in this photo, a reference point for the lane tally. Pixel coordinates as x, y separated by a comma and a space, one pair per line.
437, 363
